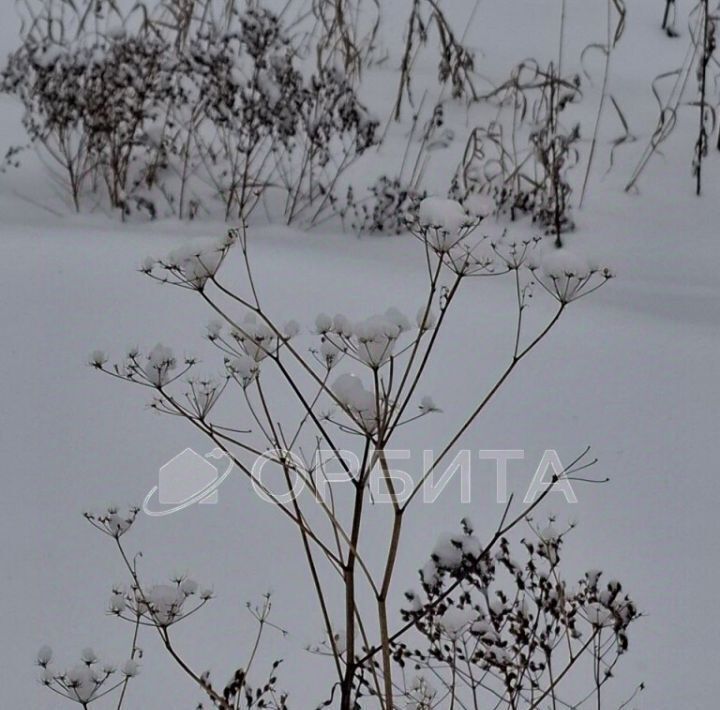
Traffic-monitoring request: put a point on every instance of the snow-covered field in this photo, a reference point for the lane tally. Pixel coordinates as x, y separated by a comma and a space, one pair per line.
633, 371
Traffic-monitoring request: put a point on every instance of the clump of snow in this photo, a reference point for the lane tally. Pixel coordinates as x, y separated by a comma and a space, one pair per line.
188, 587
452, 549
117, 524
443, 214
111, 521
116, 32
456, 620
421, 694
198, 260
549, 534
83, 681
323, 323
397, 318
117, 603
563, 263
376, 337
486, 631
567, 275
372, 340
291, 329
98, 358
257, 337
50, 56
479, 206
414, 602
593, 577
214, 329
148, 264
430, 574
356, 400
131, 668
243, 368
426, 319
598, 615
497, 606
447, 553
427, 405
341, 325
88, 656
160, 363
443, 222
164, 602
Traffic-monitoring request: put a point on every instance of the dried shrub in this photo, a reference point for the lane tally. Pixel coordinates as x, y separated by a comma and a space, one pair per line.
168, 108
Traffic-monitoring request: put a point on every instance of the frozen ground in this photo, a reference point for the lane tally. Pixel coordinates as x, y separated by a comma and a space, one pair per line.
633, 371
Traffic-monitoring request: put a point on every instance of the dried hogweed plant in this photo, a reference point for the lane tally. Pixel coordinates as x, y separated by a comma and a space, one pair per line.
160, 607
322, 412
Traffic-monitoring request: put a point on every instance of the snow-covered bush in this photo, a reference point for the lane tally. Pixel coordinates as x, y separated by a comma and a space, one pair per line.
532, 180
384, 210
164, 113
355, 382
89, 105
503, 631
389, 201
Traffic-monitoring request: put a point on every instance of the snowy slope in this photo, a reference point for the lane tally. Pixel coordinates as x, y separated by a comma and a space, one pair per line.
633, 371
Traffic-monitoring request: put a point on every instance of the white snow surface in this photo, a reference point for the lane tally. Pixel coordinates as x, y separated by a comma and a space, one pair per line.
633, 371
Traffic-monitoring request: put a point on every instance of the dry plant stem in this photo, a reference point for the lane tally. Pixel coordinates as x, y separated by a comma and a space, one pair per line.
669, 108
705, 56
534, 692
304, 531
418, 28
351, 611
307, 535
407, 60
666, 14
486, 399
385, 644
505, 525
555, 682
133, 652
220, 442
400, 509
395, 413
164, 636
387, 579
561, 40
352, 554
554, 172
340, 33
226, 139
607, 49
303, 528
